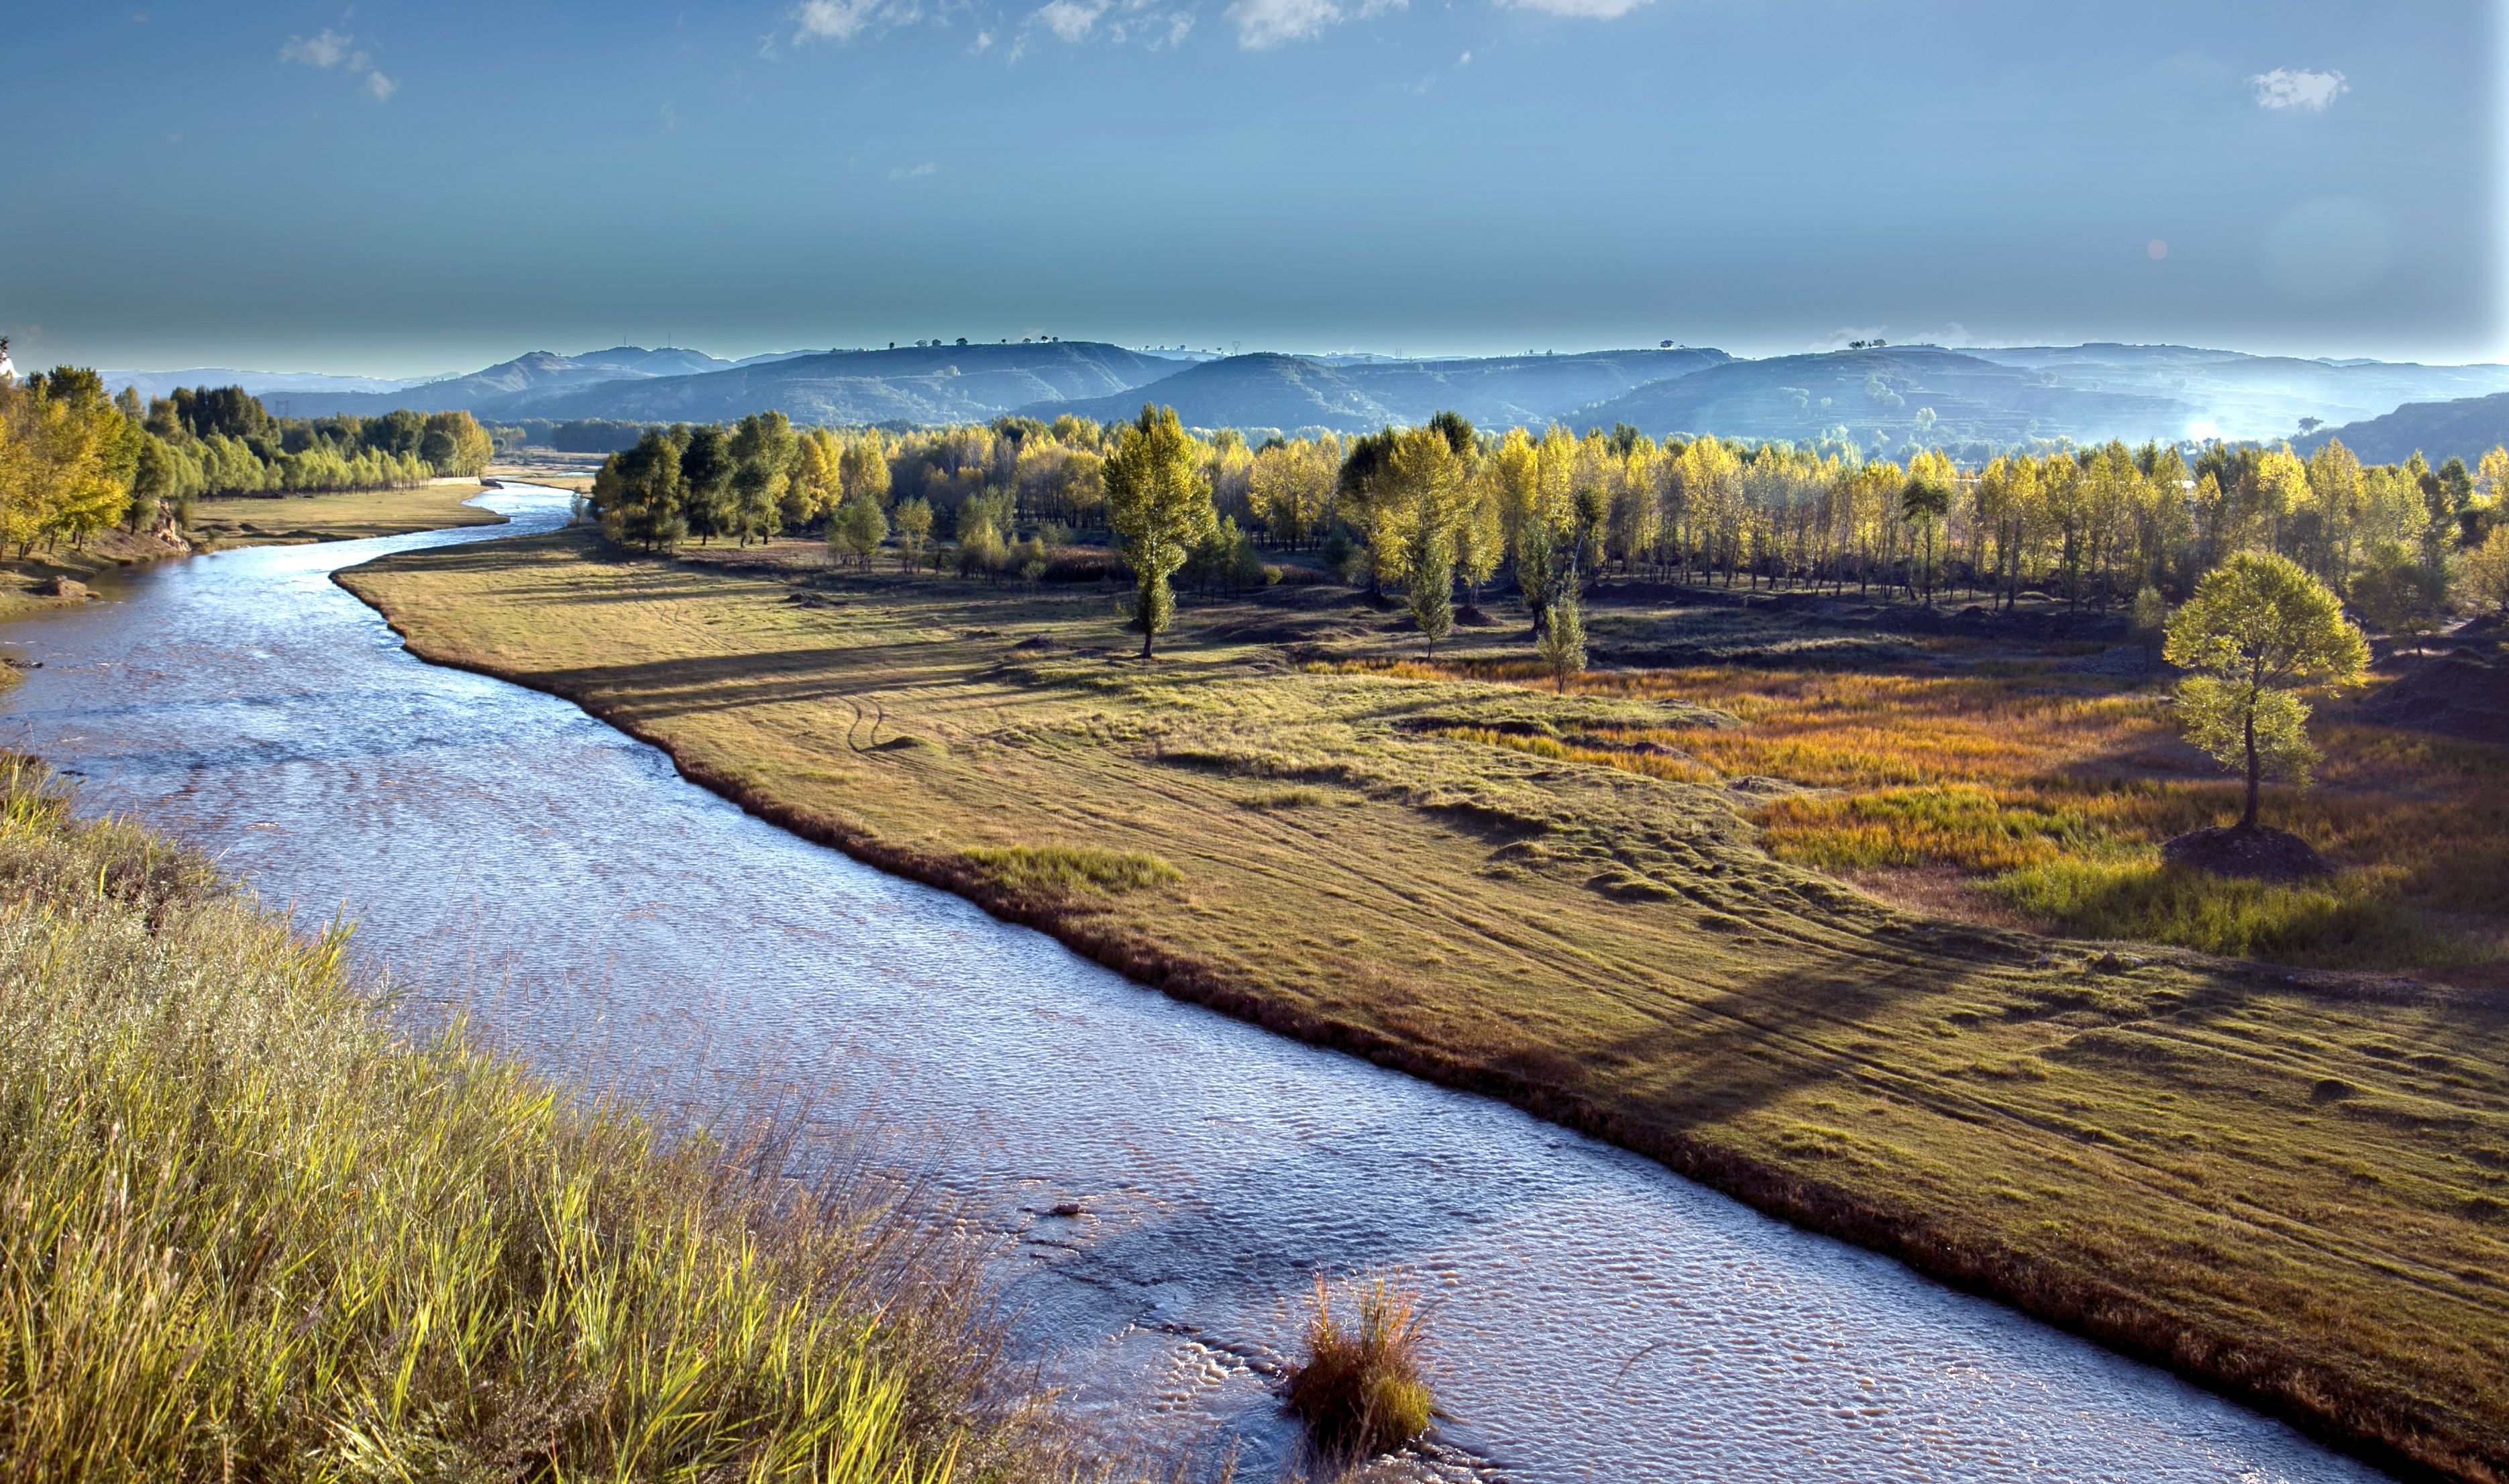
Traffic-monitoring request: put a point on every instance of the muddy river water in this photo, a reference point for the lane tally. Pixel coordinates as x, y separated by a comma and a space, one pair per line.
1594, 1318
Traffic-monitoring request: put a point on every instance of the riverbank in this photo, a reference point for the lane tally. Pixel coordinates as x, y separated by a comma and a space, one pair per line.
252, 1226
35, 581
2285, 1189
273, 520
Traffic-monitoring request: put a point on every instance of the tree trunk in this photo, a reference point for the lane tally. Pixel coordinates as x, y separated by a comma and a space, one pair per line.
2248, 820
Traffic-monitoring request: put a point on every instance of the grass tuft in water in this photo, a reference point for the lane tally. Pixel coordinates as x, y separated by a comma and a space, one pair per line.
1360, 1387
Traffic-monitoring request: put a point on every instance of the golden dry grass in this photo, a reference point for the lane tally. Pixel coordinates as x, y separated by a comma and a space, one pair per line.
2286, 1188
2055, 799
281, 520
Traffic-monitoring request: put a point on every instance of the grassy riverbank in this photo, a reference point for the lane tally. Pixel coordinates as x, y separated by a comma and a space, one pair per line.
2291, 1188
273, 520
247, 1231
28, 582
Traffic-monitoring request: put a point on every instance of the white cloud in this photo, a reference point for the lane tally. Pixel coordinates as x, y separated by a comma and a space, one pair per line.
2297, 88
914, 173
1069, 20
841, 20
1262, 25
326, 49
1593, 10
984, 42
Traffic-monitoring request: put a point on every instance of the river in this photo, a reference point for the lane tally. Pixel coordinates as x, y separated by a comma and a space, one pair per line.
1594, 1316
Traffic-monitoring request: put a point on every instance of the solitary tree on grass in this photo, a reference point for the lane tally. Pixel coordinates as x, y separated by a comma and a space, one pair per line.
1563, 644
1160, 503
2256, 632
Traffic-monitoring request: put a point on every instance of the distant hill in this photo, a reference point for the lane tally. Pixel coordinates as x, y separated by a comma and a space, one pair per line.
2262, 397
1978, 397
936, 384
1880, 399
263, 383
1294, 391
2467, 429
539, 371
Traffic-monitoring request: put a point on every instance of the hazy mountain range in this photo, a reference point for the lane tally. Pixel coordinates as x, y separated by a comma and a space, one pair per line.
1882, 399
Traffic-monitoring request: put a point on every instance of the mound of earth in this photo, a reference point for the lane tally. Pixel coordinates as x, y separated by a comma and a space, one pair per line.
2456, 695
2247, 850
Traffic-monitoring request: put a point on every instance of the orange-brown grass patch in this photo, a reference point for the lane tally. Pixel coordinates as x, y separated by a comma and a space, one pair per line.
2055, 799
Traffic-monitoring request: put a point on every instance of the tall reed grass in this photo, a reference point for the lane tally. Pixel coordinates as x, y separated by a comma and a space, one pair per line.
249, 1231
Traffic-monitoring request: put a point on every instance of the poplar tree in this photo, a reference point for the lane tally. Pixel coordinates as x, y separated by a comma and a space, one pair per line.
1160, 503
2258, 631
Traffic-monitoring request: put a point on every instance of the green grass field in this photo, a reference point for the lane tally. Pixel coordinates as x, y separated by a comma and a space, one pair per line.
2294, 1187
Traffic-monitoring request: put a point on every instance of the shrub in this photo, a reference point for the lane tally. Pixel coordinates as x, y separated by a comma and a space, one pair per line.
1073, 868
1360, 1387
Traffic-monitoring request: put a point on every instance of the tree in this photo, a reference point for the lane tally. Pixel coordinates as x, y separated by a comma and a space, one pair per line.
1160, 505
857, 530
1432, 593
2405, 596
1923, 501
764, 452
2258, 630
914, 519
705, 482
1563, 646
2484, 578
638, 494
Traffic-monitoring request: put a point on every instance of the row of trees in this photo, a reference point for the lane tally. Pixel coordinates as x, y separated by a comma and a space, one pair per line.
1399, 509
75, 460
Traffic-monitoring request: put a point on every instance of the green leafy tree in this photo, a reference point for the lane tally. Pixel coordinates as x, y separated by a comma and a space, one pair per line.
1563, 644
705, 482
1432, 593
1160, 503
2258, 631
2483, 576
858, 528
913, 522
638, 494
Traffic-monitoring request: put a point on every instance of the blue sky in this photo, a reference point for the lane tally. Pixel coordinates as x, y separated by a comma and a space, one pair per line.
396, 188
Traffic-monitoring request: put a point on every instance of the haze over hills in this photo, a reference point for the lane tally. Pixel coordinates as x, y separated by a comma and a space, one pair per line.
2252, 396
1293, 392
932, 384
2466, 429
1880, 397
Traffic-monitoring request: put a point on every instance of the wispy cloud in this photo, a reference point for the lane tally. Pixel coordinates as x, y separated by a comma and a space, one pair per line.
1592, 10
841, 20
327, 49
1262, 25
914, 171
323, 49
2297, 88
1069, 20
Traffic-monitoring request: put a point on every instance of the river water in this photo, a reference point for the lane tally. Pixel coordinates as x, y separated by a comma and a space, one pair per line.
1594, 1316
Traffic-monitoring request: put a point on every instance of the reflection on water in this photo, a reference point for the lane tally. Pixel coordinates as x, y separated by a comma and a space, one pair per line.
1595, 1316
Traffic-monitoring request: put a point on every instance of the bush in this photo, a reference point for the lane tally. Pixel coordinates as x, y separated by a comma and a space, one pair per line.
1360, 1387
1073, 868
